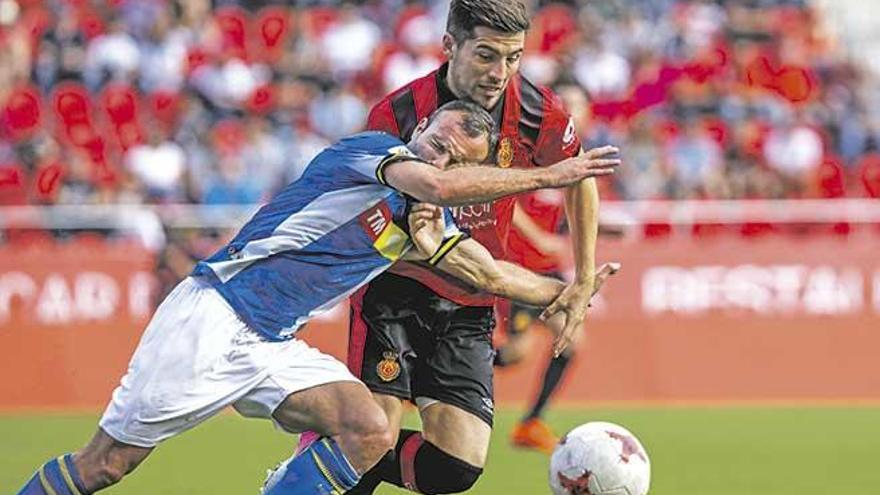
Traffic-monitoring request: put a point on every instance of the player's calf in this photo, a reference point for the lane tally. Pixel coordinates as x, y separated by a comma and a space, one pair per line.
365, 437
57, 477
103, 462
344, 411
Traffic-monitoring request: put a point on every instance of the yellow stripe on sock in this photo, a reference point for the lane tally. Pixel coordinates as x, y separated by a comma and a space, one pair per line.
45, 482
67, 478
326, 442
337, 489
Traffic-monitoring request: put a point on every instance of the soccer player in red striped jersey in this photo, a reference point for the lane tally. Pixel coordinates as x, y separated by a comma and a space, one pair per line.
418, 335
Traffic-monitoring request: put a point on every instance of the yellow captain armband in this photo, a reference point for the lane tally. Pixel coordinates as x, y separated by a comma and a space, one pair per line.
445, 247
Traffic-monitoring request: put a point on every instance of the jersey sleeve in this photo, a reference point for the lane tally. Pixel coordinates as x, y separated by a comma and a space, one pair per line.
369, 154
558, 138
381, 118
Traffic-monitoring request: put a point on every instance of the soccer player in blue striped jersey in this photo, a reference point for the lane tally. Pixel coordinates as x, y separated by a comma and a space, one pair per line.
226, 334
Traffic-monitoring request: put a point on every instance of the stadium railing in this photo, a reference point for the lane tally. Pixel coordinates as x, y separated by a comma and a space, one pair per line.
148, 222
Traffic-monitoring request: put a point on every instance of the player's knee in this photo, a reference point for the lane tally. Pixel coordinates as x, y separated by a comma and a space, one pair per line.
445, 473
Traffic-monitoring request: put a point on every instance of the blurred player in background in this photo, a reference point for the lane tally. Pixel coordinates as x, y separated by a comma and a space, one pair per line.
536, 241
226, 334
418, 335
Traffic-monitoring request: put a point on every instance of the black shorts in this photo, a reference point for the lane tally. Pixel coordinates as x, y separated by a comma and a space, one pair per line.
406, 341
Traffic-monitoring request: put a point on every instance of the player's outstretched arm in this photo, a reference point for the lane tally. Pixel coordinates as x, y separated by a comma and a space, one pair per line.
473, 184
472, 263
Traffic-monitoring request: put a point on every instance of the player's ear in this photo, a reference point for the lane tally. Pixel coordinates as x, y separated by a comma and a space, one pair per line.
448, 43
420, 128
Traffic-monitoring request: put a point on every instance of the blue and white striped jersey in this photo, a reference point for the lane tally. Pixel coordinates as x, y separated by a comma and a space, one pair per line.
320, 239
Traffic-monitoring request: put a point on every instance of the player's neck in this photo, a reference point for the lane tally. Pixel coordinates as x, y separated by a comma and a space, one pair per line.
450, 85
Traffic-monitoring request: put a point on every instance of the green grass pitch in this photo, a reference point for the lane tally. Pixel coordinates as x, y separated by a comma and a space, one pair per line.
694, 451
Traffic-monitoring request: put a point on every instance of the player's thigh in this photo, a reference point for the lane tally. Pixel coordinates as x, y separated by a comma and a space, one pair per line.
383, 315
195, 358
457, 432
305, 389
331, 408
458, 367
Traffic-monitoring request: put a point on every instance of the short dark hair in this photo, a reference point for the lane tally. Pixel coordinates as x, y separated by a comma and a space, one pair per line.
475, 121
507, 16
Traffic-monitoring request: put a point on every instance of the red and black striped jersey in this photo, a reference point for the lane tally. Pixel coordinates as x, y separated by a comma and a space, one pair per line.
534, 130
547, 209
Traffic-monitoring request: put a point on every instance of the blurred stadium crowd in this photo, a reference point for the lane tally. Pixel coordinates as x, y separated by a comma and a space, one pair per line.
170, 101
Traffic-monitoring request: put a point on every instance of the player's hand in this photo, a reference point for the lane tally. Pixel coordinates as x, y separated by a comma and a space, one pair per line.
592, 163
426, 228
573, 302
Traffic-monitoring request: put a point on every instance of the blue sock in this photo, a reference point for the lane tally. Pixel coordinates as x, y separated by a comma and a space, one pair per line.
56, 477
320, 469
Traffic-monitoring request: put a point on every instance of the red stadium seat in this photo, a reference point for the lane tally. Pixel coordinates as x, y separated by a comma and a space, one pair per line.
13, 184
120, 103
869, 173
273, 29
72, 104
164, 107
22, 112
233, 25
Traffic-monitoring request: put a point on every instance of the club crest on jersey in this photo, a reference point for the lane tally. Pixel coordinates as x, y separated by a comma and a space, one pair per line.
388, 368
505, 153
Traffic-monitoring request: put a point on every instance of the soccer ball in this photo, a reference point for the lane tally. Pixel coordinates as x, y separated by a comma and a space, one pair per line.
600, 459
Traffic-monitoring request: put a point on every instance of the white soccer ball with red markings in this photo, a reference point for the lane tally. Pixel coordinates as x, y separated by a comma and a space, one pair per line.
600, 458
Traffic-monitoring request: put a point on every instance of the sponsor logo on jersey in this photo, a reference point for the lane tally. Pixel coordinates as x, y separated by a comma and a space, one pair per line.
389, 239
388, 368
474, 217
375, 220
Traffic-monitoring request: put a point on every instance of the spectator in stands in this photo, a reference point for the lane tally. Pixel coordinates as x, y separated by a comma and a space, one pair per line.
113, 55
416, 56
795, 150
695, 160
159, 165
782, 94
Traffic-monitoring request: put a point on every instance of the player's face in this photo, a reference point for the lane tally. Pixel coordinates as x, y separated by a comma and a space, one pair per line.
444, 142
480, 67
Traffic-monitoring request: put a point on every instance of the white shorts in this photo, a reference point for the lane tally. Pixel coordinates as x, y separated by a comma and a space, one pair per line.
197, 357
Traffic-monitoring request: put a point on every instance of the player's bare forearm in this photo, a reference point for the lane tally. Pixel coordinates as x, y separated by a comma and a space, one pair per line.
525, 286
473, 264
473, 184
582, 213
582, 210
